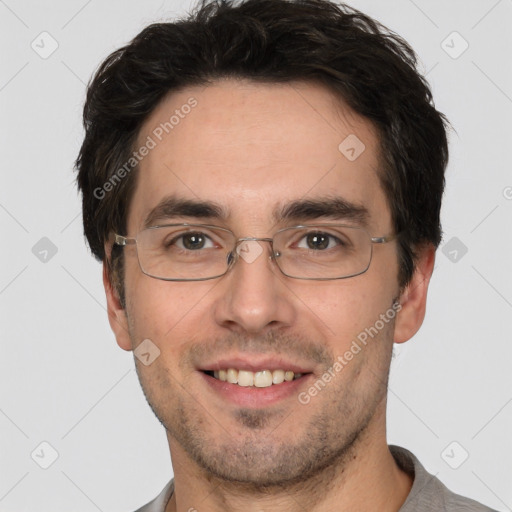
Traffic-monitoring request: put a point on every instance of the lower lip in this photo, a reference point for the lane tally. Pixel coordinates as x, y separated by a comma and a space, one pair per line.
252, 396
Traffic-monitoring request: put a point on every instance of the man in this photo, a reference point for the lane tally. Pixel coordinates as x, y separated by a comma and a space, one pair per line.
263, 183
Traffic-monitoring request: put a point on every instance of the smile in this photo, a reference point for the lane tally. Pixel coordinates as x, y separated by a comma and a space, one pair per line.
259, 379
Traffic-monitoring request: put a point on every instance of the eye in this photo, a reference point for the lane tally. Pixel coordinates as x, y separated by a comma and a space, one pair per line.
192, 241
318, 241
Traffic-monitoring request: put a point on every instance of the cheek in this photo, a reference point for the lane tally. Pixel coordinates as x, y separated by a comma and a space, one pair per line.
165, 311
341, 310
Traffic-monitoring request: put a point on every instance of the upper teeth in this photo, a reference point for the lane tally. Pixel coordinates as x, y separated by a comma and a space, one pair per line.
261, 379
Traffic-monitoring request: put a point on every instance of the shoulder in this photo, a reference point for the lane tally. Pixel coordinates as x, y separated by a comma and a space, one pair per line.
159, 503
428, 493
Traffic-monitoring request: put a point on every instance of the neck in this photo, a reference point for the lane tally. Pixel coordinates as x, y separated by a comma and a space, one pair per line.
365, 479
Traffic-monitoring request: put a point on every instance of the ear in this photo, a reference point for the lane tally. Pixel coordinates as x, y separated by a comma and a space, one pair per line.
116, 313
413, 298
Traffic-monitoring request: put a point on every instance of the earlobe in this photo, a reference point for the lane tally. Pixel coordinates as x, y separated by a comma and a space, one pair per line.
116, 313
413, 299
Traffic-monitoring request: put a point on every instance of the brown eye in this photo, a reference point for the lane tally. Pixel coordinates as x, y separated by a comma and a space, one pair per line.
317, 241
193, 241
189, 241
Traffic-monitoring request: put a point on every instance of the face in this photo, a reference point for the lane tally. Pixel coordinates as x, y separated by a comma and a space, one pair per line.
253, 149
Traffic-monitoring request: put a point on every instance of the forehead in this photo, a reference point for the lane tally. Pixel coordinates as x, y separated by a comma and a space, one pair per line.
254, 147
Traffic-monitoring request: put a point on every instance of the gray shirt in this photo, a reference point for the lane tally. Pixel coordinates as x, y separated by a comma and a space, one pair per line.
427, 494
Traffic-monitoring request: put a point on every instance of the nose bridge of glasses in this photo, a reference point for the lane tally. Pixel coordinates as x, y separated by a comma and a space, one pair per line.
234, 255
240, 241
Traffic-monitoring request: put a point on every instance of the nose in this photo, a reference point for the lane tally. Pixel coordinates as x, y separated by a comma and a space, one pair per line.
254, 296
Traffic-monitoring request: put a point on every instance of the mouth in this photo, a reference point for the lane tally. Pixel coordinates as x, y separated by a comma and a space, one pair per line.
255, 389
258, 379
255, 380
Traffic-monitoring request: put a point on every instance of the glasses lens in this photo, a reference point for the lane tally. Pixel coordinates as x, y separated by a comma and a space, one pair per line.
195, 252
179, 252
323, 252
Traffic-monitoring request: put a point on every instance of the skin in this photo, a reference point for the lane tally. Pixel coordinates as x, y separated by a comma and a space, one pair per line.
251, 147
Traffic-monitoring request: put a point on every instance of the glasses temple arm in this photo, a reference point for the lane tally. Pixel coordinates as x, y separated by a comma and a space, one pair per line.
384, 239
123, 240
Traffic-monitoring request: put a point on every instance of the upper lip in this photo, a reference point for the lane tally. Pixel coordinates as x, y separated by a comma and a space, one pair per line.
255, 363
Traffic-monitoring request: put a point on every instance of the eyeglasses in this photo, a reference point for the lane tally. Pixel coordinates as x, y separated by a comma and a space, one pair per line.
198, 252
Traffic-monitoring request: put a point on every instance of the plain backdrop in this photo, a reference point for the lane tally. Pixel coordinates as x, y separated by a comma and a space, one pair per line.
65, 382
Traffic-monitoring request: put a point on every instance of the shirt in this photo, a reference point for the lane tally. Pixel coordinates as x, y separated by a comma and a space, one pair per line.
428, 493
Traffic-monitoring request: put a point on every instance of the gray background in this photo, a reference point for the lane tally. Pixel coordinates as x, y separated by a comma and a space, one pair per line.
64, 380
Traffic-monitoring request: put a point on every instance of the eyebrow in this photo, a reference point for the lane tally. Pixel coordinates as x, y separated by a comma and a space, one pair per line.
172, 206
334, 208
